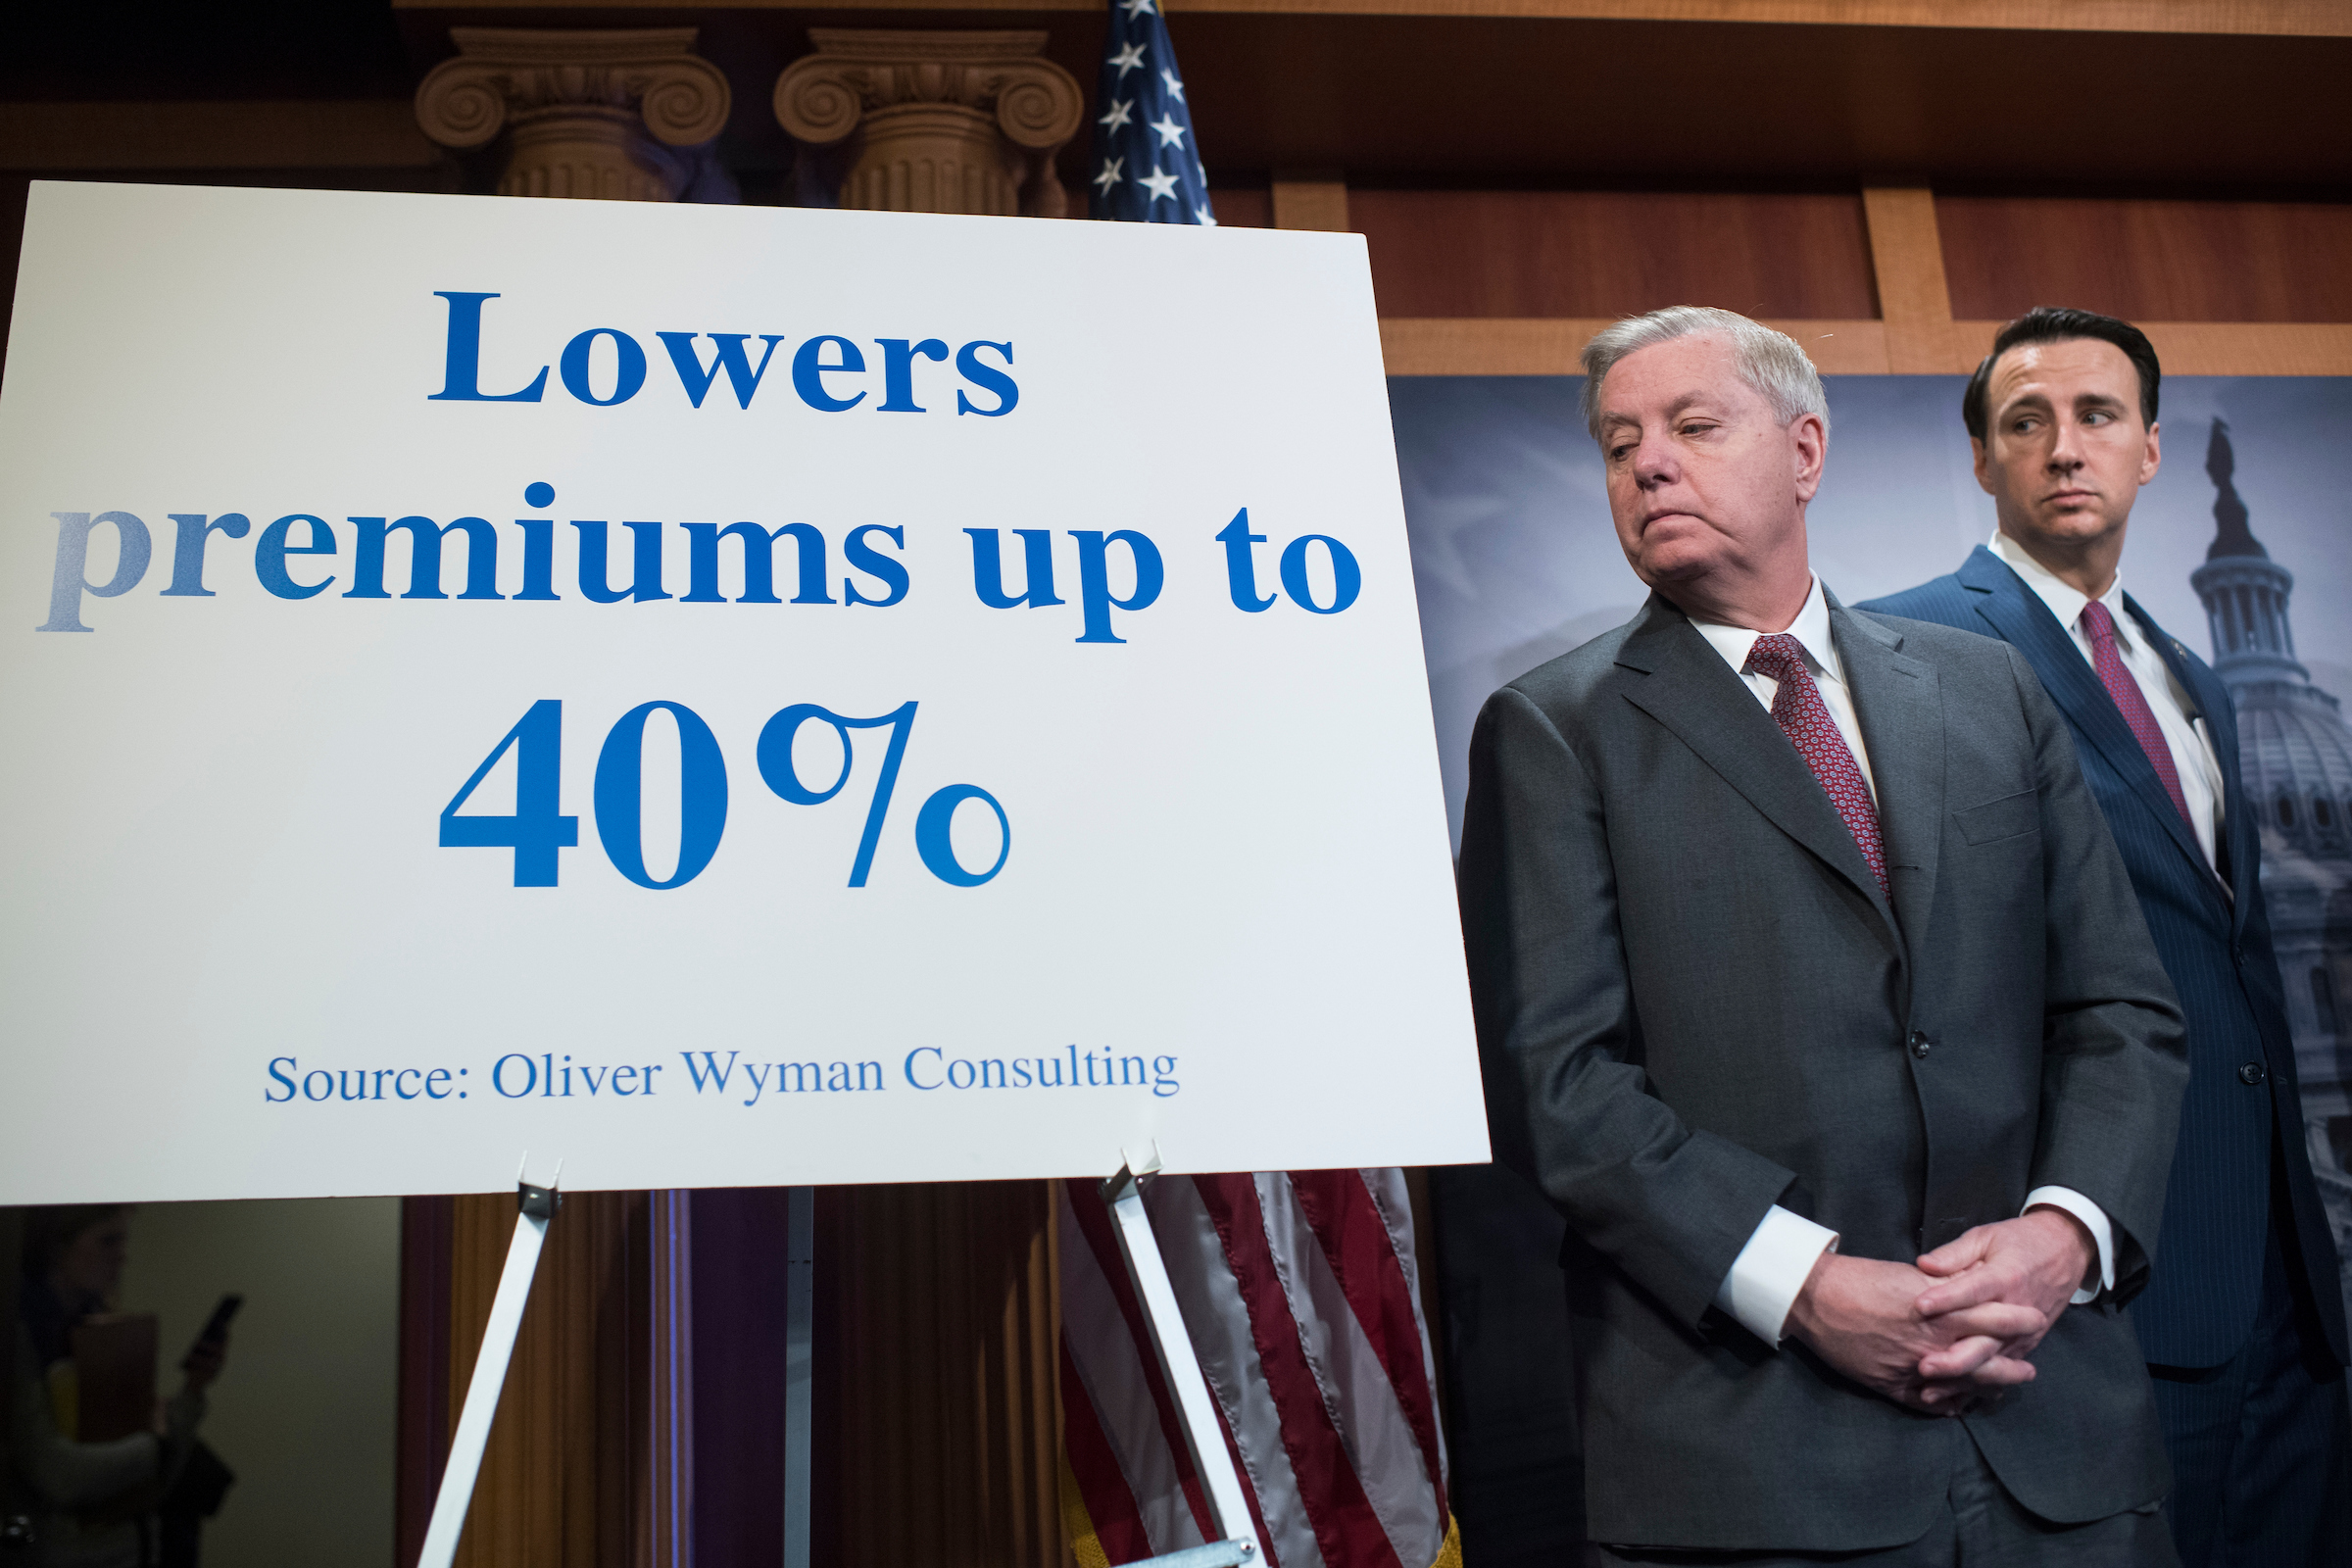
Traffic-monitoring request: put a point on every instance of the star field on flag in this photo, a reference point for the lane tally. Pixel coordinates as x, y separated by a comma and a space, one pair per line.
1147, 166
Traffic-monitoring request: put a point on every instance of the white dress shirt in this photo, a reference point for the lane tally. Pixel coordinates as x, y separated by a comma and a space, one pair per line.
2185, 735
1770, 1270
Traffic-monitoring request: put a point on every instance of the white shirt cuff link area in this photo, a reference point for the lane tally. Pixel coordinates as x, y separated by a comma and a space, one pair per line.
1774, 1265
2094, 1220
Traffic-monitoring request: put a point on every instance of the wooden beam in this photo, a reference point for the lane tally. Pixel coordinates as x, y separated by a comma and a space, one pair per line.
1312, 204
2209, 348
73, 137
1906, 255
1506, 346
1501, 346
2307, 19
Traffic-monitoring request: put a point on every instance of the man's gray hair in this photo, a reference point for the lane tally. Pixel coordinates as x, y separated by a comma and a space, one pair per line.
1768, 361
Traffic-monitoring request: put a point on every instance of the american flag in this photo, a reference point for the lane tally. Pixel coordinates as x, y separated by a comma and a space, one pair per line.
1298, 1288
1147, 168
1298, 1292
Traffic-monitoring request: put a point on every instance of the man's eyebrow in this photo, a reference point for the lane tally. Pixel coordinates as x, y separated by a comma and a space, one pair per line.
1679, 407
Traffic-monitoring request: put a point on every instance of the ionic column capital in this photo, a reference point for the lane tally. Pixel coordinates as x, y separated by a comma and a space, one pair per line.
592, 114
952, 122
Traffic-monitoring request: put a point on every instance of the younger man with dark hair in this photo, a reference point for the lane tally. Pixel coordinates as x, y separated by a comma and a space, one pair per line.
2242, 1321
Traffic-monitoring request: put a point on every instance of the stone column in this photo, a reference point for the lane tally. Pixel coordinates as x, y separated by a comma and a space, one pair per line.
942, 121
617, 115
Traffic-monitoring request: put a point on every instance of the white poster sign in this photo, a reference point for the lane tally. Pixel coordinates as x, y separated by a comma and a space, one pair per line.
708, 694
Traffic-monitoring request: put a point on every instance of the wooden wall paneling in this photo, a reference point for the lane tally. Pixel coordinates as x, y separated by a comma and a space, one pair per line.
1840, 348
2294, 17
1550, 346
2239, 348
566, 1480
2149, 259
426, 1416
1458, 347
1242, 206
1601, 254
1536, 99
2208, 348
74, 137
944, 1315
1021, 1364
1310, 203
1906, 261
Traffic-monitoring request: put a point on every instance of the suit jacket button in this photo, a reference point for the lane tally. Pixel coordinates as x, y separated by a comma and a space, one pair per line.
2251, 1073
1919, 1044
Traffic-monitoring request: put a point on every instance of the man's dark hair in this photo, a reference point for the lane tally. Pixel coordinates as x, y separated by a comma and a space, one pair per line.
2058, 324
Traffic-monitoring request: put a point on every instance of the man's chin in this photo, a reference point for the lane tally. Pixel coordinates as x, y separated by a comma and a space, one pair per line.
2074, 524
1666, 568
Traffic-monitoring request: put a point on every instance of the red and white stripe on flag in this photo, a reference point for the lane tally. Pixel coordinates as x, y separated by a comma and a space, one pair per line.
1297, 1288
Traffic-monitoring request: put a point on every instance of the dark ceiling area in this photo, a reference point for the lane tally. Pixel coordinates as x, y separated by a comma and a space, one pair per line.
110, 49
1430, 100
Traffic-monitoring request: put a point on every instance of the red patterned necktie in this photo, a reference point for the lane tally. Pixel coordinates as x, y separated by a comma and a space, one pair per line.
1797, 708
2101, 625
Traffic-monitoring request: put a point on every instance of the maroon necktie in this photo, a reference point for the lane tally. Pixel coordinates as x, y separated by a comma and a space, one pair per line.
1797, 708
2101, 625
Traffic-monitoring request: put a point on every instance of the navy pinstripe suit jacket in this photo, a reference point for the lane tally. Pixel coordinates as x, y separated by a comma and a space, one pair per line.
2201, 1298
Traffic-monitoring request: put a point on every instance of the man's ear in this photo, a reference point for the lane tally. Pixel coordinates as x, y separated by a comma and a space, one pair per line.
1976, 449
1809, 444
2153, 457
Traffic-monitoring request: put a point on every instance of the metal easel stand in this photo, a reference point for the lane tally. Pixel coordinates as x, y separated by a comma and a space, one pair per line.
1212, 1462
538, 1205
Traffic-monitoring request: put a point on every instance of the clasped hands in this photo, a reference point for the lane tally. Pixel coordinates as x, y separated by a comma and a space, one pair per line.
1961, 1325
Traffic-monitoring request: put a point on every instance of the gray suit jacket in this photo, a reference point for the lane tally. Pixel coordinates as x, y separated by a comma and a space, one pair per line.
1694, 1003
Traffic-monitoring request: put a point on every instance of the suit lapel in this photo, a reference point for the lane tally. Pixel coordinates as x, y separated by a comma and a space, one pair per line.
2018, 617
1898, 702
1703, 704
2212, 699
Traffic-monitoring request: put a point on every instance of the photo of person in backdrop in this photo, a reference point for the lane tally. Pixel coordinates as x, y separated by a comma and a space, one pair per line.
2242, 1323
1813, 992
100, 1473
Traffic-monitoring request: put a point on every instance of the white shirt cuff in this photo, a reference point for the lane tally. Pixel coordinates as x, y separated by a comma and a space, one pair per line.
1772, 1269
2094, 1220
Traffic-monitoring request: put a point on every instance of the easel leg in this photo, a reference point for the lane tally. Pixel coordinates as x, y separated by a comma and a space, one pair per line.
1211, 1460
800, 1301
538, 1207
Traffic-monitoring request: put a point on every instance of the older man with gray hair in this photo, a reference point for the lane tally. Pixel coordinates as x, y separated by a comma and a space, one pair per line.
1811, 990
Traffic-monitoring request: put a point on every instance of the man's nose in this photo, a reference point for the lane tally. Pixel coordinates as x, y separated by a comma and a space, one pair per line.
1654, 462
2066, 447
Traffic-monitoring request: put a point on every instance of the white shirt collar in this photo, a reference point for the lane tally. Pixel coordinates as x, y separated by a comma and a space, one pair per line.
2065, 600
1811, 629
